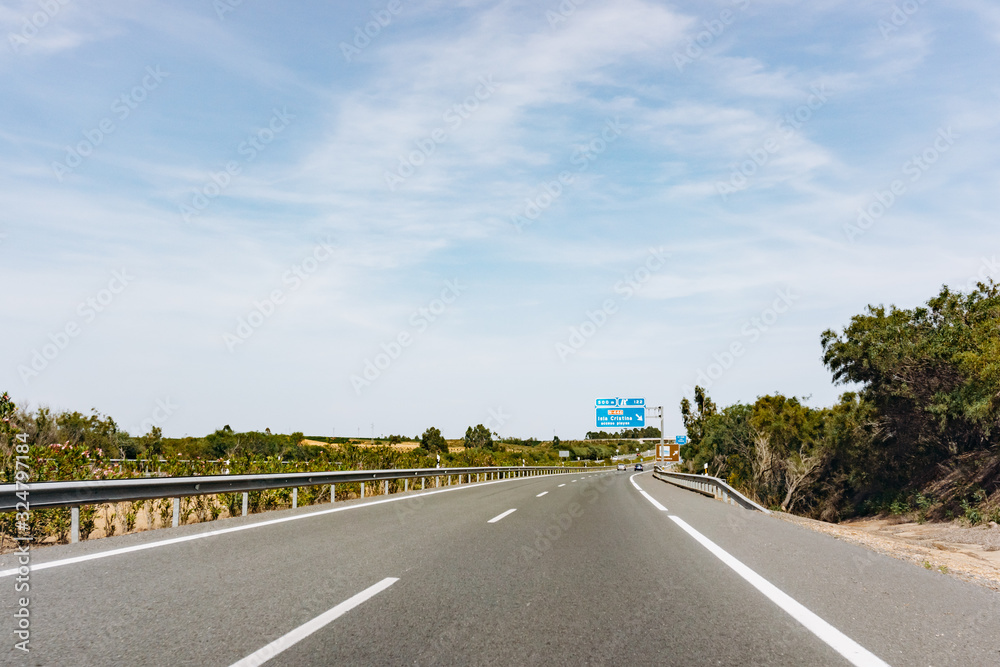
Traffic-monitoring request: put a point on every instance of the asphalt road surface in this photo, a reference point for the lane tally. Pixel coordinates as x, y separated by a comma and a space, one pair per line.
573, 569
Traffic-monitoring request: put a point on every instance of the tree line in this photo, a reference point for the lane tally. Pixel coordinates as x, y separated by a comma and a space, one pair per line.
918, 433
625, 434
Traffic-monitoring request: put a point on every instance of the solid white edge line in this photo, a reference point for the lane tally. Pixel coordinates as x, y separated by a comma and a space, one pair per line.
298, 634
502, 515
257, 524
831, 636
541, 494
646, 495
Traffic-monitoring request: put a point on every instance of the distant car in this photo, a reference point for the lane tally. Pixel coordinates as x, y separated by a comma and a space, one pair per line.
638, 467
621, 466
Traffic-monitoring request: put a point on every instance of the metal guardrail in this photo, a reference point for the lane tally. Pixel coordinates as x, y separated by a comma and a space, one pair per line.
44, 495
709, 486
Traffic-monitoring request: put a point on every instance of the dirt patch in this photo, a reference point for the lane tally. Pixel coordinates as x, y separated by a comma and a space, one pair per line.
971, 554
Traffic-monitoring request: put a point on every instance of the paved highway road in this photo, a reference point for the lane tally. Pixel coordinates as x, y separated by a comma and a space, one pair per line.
575, 569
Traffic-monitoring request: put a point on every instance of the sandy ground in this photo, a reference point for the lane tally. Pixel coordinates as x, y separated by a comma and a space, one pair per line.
971, 554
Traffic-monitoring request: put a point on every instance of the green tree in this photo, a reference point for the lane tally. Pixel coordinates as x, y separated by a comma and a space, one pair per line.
433, 441
695, 421
787, 448
8, 431
931, 373
852, 434
727, 445
479, 436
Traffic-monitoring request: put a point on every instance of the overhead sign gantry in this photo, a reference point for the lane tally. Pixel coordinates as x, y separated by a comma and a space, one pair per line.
621, 412
630, 413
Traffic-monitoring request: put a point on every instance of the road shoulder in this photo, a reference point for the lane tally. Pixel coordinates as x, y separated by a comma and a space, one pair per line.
937, 547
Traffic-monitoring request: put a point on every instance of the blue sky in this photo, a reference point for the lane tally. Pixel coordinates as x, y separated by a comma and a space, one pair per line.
477, 212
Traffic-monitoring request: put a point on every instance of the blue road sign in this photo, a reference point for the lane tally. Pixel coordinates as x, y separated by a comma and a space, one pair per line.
621, 417
681, 440
606, 402
635, 402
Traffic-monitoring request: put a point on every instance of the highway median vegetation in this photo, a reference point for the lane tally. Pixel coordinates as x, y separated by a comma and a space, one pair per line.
917, 437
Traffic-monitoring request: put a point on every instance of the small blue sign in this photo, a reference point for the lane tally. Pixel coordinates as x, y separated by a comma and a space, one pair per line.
607, 402
681, 440
635, 402
621, 417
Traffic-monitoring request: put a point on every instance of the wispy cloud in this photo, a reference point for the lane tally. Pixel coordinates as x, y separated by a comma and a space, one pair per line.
415, 155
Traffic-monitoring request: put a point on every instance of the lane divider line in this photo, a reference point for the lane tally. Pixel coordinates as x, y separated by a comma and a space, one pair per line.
502, 515
831, 636
648, 497
249, 526
541, 494
561, 485
298, 634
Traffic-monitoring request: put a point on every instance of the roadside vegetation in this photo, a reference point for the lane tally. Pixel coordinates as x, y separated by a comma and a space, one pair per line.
73, 446
918, 436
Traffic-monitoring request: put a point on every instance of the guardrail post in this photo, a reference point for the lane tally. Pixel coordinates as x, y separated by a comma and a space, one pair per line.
385, 487
406, 484
295, 497
333, 493
362, 489
177, 512
437, 481
246, 502
74, 525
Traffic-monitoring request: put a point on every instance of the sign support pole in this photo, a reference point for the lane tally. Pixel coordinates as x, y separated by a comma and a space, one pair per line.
661, 429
